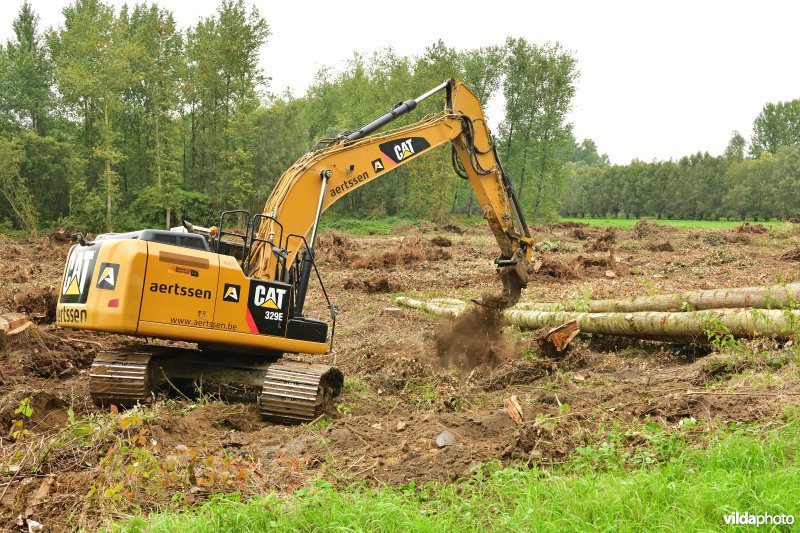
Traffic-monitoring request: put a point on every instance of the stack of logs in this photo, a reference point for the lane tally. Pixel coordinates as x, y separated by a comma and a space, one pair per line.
688, 317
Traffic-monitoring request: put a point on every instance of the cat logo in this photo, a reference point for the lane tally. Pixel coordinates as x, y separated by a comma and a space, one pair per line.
78, 274
231, 293
269, 297
377, 165
404, 149
268, 307
400, 150
108, 276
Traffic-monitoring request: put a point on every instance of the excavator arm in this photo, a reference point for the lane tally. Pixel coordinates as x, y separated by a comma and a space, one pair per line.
321, 177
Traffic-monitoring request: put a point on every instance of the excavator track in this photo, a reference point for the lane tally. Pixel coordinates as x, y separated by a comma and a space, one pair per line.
296, 392
124, 376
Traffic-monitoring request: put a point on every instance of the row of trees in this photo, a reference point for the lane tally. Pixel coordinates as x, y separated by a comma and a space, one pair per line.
119, 119
756, 180
697, 187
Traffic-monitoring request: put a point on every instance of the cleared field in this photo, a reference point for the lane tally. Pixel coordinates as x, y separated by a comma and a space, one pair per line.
619, 434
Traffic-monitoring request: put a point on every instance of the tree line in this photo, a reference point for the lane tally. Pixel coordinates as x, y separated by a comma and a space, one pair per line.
118, 119
760, 184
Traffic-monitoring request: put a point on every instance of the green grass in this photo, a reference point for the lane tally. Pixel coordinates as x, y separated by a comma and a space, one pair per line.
747, 469
388, 224
627, 223
399, 225
366, 226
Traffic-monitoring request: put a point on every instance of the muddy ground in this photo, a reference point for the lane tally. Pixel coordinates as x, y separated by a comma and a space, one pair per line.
409, 376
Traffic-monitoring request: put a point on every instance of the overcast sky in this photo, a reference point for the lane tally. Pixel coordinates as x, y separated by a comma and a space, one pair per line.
658, 79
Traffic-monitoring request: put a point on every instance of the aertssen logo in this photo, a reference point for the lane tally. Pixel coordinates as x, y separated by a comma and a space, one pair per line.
108, 276
78, 274
231, 293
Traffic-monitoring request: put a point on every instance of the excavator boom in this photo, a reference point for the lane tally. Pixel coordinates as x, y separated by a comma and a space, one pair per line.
354, 159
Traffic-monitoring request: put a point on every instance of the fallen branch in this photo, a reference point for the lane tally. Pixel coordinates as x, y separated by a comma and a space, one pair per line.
437, 307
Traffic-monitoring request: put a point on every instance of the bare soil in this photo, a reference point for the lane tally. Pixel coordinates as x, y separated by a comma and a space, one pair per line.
409, 376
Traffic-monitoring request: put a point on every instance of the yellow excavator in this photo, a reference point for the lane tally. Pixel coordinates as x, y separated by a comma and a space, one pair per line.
238, 290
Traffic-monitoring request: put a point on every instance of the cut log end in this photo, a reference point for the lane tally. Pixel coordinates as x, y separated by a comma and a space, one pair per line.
562, 335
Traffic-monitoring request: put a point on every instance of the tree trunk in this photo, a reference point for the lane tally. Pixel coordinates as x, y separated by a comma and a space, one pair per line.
696, 326
109, 179
756, 297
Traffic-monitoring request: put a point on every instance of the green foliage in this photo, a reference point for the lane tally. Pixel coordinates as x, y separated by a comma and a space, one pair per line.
14, 188
698, 187
777, 125
151, 123
24, 412
370, 226
538, 89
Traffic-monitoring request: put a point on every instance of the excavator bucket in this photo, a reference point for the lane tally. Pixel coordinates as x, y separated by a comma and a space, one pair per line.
514, 278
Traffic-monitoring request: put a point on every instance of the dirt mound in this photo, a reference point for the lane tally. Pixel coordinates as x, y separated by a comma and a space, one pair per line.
18, 272
334, 239
335, 245
380, 284
737, 237
747, 227
644, 228
514, 372
665, 246
39, 303
442, 242
569, 225
597, 266
60, 236
579, 233
404, 256
552, 268
712, 238
790, 255
472, 339
450, 228
46, 352
602, 243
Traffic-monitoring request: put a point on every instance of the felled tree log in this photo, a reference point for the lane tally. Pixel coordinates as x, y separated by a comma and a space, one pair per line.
691, 326
677, 327
755, 297
443, 306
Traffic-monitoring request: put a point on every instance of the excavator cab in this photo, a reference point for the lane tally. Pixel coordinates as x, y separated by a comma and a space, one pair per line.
242, 243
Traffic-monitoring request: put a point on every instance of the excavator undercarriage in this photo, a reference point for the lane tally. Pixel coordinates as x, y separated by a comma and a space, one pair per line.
291, 392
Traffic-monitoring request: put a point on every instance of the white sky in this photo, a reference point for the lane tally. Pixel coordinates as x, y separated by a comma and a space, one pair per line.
659, 79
